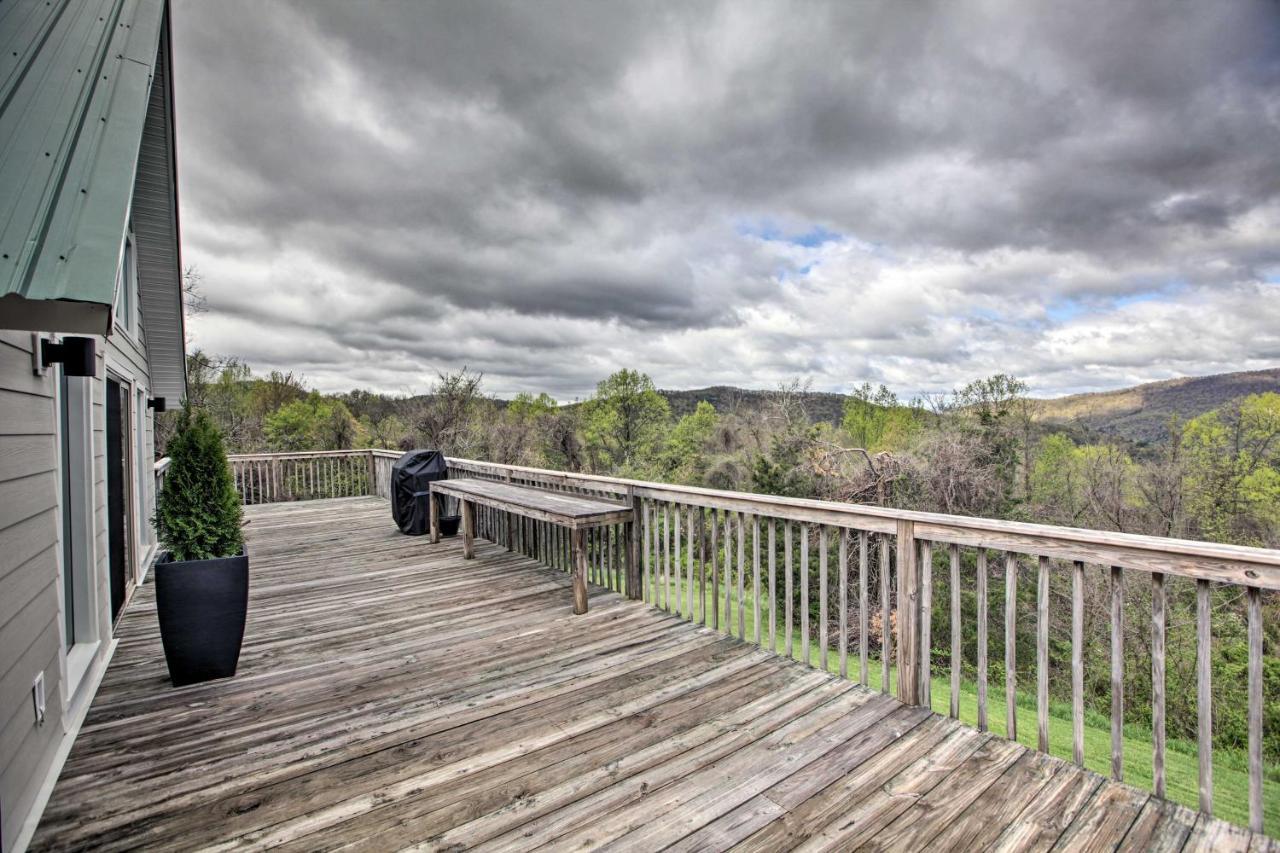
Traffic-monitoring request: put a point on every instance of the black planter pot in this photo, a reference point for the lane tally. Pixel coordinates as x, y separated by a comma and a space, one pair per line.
449, 524
202, 606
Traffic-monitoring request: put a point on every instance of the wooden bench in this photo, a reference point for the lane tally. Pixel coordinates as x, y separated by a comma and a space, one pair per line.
572, 511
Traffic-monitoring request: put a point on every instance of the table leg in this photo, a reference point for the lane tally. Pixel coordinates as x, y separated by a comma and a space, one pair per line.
433, 509
468, 530
579, 572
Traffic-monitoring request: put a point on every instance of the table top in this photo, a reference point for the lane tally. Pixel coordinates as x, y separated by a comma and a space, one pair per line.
563, 508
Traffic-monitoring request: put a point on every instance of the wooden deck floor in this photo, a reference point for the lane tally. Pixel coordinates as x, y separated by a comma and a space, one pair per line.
391, 695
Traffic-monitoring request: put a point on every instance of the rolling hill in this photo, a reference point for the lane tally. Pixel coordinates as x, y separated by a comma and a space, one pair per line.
1141, 414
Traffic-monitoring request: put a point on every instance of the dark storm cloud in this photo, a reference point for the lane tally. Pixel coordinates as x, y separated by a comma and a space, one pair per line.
608, 183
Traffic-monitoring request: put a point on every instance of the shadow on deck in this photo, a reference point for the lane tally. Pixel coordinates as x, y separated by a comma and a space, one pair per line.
392, 695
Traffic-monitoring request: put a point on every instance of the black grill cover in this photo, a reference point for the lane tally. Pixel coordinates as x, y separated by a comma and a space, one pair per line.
411, 478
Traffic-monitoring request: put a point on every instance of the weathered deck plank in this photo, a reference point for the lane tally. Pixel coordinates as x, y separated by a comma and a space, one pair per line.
391, 695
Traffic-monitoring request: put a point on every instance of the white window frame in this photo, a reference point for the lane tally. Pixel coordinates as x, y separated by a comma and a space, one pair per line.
126, 315
79, 650
142, 488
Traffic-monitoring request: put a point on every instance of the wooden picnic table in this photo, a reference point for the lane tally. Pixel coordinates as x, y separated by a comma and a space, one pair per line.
576, 512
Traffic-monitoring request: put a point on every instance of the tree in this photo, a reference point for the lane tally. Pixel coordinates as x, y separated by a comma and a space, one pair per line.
198, 515
449, 419
991, 408
314, 422
625, 419
875, 419
1233, 471
521, 435
684, 459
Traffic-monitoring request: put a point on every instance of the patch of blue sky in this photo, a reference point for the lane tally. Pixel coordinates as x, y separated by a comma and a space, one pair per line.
766, 229
1065, 309
1069, 307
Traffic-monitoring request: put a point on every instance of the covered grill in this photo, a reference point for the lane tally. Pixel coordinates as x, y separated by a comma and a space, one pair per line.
411, 479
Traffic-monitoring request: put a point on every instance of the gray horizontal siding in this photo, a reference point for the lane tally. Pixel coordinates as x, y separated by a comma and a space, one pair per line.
29, 608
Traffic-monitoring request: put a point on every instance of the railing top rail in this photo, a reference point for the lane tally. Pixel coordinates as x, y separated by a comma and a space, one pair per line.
161, 465
296, 454
1235, 564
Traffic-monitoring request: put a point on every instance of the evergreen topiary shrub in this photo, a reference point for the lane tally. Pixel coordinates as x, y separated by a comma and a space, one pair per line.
198, 515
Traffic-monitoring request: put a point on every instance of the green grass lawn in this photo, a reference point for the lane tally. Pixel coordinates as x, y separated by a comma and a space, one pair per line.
1230, 768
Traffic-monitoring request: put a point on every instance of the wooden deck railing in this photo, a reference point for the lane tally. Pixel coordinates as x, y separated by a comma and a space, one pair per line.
721, 558
310, 475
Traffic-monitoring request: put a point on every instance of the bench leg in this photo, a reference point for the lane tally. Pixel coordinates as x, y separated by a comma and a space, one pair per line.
468, 530
434, 511
579, 572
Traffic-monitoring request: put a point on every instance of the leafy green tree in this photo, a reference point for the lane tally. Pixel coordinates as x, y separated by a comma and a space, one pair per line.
876, 420
1056, 495
198, 515
625, 420
685, 455
1233, 471
314, 422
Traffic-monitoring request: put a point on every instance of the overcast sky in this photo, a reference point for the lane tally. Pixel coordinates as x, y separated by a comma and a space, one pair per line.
919, 194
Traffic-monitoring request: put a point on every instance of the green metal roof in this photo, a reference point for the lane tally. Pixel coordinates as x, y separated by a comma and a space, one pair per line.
74, 81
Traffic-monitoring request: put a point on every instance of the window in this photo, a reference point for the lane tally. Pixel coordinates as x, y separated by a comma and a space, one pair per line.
127, 287
75, 430
142, 468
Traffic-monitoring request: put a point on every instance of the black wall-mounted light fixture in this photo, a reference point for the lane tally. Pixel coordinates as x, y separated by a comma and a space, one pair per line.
156, 403
76, 355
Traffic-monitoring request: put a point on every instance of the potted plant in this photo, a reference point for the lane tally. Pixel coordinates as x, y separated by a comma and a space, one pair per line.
202, 576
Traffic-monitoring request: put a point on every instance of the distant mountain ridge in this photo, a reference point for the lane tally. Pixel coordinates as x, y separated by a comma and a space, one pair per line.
1142, 413
821, 405
1139, 414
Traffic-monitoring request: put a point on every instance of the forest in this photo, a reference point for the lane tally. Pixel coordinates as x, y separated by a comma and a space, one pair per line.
981, 450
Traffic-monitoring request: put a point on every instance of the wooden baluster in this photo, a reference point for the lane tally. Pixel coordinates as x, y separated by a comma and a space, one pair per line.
908, 588
1010, 645
983, 722
843, 572
1204, 696
742, 574
1077, 662
727, 516
863, 606
773, 585
666, 556
715, 570
926, 624
645, 535
635, 583
689, 562
886, 620
822, 597
1157, 683
955, 631
675, 556
755, 572
1117, 673
804, 594
1255, 709
1042, 656
703, 617
787, 587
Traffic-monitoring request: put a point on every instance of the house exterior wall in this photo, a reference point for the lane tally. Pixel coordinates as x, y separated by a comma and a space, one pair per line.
32, 637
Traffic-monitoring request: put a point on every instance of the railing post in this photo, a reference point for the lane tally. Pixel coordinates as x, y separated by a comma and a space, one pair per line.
633, 546
908, 587
373, 474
